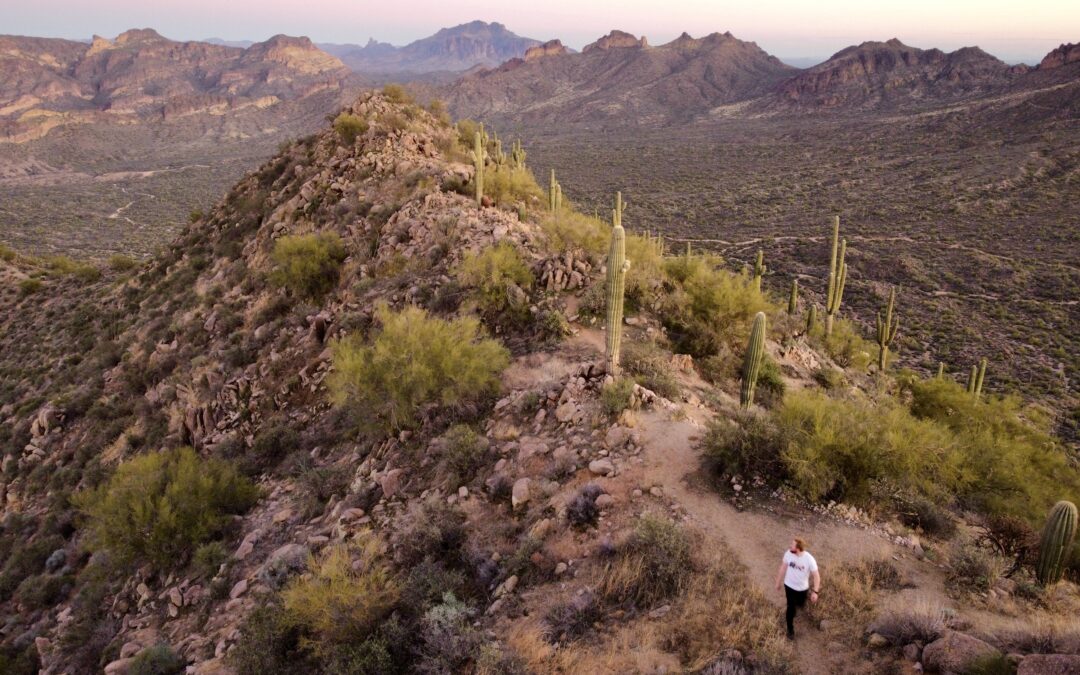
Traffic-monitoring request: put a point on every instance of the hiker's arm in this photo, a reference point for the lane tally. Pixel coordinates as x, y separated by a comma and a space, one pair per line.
815, 577
780, 575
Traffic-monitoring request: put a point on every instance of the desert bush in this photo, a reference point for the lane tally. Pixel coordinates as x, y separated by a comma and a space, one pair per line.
574, 619
651, 368
122, 263
847, 347
415, 361
349, 127
426, 583
209, 558
830, 378
499, 279
573, 231
42, 590
922, 621
157, 660
707, 306
1041, 633
506, 185
341, 601
268, 643
645, 278
159, 507
60, 264
991, 664
654, 564
751, 445
770, 383
308, 264
973, 568
463, 453
448, 640
582, 510
429, 529
839, 447
24, 559
29, 286
395, 93
7, 253
926, 515
617, 396
272, 443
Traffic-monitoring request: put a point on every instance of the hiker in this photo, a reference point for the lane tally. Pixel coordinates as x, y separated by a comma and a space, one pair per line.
797, 570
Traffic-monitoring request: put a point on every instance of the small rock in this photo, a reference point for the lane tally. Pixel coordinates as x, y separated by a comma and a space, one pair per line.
601, 467
119, 667
506, 587
56, 560
238, 589
560, 569
912, 652
656, 491
519, 494
604, 501
877, 641
130, 649
390, 482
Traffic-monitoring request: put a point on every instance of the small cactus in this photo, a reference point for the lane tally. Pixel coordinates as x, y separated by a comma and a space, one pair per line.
793, 299
479, 157
940, 370
755, 353
1056, 542
554, 195
837, 277
886, 331
617, 265
811, 319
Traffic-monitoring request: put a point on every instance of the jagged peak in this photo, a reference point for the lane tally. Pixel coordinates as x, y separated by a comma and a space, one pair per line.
549, 48
137, 35
1065, 54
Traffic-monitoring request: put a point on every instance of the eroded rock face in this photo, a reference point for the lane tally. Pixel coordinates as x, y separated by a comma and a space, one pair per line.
955, 653
1063, 55
614, 40
549, 48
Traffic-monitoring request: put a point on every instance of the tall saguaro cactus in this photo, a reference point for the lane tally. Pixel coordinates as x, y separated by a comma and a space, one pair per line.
554, 196
793, 299
479, 156
811, 319
1056, 542
517, 155
755, 354
886, 331
617, 265
759, 269
837, 277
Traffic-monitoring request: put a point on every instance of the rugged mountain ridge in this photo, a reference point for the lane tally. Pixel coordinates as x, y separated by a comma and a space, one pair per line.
453, 49
49, 82
620, 79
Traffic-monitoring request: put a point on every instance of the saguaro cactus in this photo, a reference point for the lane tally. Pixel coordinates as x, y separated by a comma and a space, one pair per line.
940, 370
1055, 543
975, 379
517, 155
886, 331
479, 156
811, 319
617, 265
837, 277
755, 353
554, 196
793, 299
759, 270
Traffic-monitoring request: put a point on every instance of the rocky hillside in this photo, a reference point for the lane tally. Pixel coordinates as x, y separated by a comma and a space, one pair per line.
141, 75
455, 49
360, 417
621, 80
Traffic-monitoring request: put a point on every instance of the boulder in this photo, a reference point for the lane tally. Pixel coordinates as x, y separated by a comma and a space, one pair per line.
601, 467
519, 494
1049, 664
955, 653
284, 562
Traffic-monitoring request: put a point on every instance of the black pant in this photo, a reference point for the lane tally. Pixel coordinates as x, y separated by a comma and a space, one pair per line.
795, 600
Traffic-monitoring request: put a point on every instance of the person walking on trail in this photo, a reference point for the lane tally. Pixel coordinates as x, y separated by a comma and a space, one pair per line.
798, 572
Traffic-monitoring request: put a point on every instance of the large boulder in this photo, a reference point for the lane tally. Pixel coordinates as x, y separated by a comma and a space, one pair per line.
1049, 664
284, 562
954, 653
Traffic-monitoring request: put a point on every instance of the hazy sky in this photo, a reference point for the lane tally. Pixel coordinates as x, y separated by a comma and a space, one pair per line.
1009, 29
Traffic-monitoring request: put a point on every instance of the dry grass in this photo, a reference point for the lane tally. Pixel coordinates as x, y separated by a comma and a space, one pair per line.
923, 621
1042, 634
853, 595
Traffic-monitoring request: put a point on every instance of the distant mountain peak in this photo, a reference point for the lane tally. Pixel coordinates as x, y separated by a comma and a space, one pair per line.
138, 35
1063, 55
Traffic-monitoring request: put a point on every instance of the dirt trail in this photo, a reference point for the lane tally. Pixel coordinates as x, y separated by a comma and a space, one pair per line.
759, 538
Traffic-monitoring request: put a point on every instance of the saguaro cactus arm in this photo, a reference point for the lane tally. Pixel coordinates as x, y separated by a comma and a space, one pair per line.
759, 269
479, 157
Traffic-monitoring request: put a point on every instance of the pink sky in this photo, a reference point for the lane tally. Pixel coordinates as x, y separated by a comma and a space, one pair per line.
1010, 30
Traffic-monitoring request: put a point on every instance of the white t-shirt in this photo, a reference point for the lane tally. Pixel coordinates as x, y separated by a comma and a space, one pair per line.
799, 567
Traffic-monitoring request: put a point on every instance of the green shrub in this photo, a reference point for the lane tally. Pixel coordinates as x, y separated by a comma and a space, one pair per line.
464, 452
396, 93
29, 286
847, 347
830, 378
308, 264
160, 507
752, 445
770, 383
209, 558
507, 186
708, 306
268, 643
654, 564
617, 396
41, 590
122, 263
576, 231
349, 127
24, 559
7, 253
340, 602
415, 361
157, 660
499, 279
973, 568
